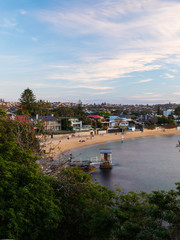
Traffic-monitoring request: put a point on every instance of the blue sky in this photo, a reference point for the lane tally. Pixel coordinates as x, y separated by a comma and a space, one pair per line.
115, 51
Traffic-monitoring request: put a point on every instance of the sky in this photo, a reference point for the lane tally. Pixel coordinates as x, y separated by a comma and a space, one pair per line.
114, 51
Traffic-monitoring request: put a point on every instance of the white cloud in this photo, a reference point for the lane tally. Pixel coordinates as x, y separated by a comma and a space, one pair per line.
34, 39
168, 75
105, 69
144, 81
8, 23
176, 93
149, 98
100, 93
23, 12
138, 35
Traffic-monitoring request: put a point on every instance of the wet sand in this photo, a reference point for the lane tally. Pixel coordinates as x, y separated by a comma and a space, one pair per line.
63, 143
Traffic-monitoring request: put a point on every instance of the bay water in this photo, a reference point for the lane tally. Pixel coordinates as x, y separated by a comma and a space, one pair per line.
142, 164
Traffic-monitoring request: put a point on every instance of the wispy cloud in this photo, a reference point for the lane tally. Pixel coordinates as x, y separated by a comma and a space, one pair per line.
99, 47
168, 75
136, 34
8, 23
100, 93
144, 81
106, 69
34, 39
23, 12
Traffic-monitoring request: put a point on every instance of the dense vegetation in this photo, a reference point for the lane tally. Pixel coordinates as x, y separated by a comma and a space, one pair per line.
28, 104
34, 206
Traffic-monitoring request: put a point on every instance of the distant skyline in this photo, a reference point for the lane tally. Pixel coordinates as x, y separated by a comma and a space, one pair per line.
114, 51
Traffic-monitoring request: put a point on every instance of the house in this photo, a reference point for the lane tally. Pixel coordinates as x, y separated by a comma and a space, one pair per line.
95, 117
144, 118
51, 123
76, 124
11, 116
167, 112
118, 121
86, 128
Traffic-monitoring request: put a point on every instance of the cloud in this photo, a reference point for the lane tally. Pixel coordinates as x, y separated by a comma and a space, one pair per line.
4, 57
105, 69
149, 98
157, 19
34, 39
8, 23
168, 75
144, 81
23, 12
88, 87
100, 93
176, 93
138, 36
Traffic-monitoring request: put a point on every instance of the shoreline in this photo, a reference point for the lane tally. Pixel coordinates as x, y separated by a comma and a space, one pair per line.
61, 144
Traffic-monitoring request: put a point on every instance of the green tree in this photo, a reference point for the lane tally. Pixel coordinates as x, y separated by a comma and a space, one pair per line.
43, 107
177, 111
159, 111
28, 208
86, 205
28, 101
66, 125
2, 113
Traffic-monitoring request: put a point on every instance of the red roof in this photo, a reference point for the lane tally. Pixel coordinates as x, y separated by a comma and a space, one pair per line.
94, 116
22, 119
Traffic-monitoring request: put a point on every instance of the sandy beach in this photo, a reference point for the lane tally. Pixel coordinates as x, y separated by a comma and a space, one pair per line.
63, 143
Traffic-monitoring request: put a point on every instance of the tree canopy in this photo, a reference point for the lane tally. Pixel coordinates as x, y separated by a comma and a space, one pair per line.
28, 101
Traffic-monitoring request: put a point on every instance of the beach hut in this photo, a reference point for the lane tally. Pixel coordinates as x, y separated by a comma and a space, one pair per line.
106, 158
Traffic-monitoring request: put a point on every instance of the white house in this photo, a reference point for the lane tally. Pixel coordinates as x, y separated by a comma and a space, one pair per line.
76, 124
167, 112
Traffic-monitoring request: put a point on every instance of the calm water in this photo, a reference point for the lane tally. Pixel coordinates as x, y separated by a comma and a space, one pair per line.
143, 164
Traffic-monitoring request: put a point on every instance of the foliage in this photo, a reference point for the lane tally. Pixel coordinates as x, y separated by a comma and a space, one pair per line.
166, 120
87, 206
34, 206
28, 208
159, 111
43, 108
19, 137
136, 218
28, 101
66, 125
177, 111
72, 112
2, 113
104, 114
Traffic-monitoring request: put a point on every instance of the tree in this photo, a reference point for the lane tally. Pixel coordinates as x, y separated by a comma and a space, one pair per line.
159, 111
79, 105
177, 111
43, 107
2, 113
28, 101
28, 208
